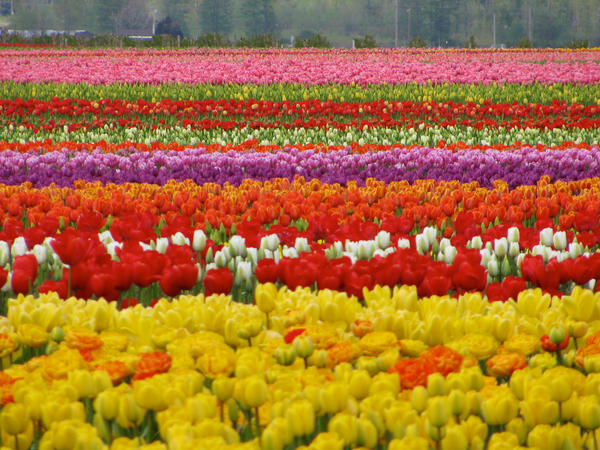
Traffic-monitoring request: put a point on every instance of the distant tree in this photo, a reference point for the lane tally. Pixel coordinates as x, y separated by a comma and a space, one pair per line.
33, 15
259, 16
314, 41
367, 42
417, 42
134, 18
70, 14
105, 12
168, 26
524, 42
215, 16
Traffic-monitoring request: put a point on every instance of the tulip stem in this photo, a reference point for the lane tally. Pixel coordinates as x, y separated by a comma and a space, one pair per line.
16, 442
258, 433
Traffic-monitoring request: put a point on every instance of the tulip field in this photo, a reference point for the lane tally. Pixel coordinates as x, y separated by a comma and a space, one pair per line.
299, 248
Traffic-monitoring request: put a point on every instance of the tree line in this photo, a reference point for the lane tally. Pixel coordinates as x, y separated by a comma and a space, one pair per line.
436, 23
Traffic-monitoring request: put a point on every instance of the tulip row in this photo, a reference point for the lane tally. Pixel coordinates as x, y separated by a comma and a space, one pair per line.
133, 257
64, 167
230, 134
48, 145
586, 94
309, 370
302, 66
328, 209
87, 114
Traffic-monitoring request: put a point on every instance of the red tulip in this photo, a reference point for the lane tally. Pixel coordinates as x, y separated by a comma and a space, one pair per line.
177, 278
267, 271
218, 281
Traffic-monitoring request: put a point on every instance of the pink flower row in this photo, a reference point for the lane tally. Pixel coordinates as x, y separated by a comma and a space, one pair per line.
311, 66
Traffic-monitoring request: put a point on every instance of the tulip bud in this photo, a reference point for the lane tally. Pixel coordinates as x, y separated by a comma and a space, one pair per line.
19, 247
285, 355
560, 240
457, 401
233, 410
422, 244
270, 242
83, 382
107, 404
256, 392
476, 243
557, 335
301, 245
14, 418
493, 268
546, 237
345, 426
319, 358
148, 396
513, 249
366, 433
360, 383
303, 346
577, 329
513, 234
209, 258
450, 254
40, 253
500, 247
589, 413
237, 246
505, 269
436, 385
265, 295
561, 389
575, 249
162, 244
455, 439
223, 387
403, 243
419, 398
199, 240
383, 239
4, 253
437, 412
243, 271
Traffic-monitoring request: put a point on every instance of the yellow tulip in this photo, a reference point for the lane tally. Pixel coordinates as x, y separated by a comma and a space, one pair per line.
14, 418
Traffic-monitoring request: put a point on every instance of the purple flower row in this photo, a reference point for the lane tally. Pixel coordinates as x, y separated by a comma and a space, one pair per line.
518, 167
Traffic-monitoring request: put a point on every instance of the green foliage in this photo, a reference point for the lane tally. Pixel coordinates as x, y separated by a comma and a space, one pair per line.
586, 94
259, 41
367, 42
417, 42
524, 43
259, 17
472, 43
214, 40
577, 43
215, 16
314, 41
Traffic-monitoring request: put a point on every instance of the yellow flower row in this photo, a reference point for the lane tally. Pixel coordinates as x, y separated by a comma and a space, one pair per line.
313, 370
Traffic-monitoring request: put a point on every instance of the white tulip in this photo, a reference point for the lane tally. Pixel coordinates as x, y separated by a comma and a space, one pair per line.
180, 239
513, 234
546, 236
237, 244
199, 240
403, 243
560, 240
383, 240
162, 244
19, 247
